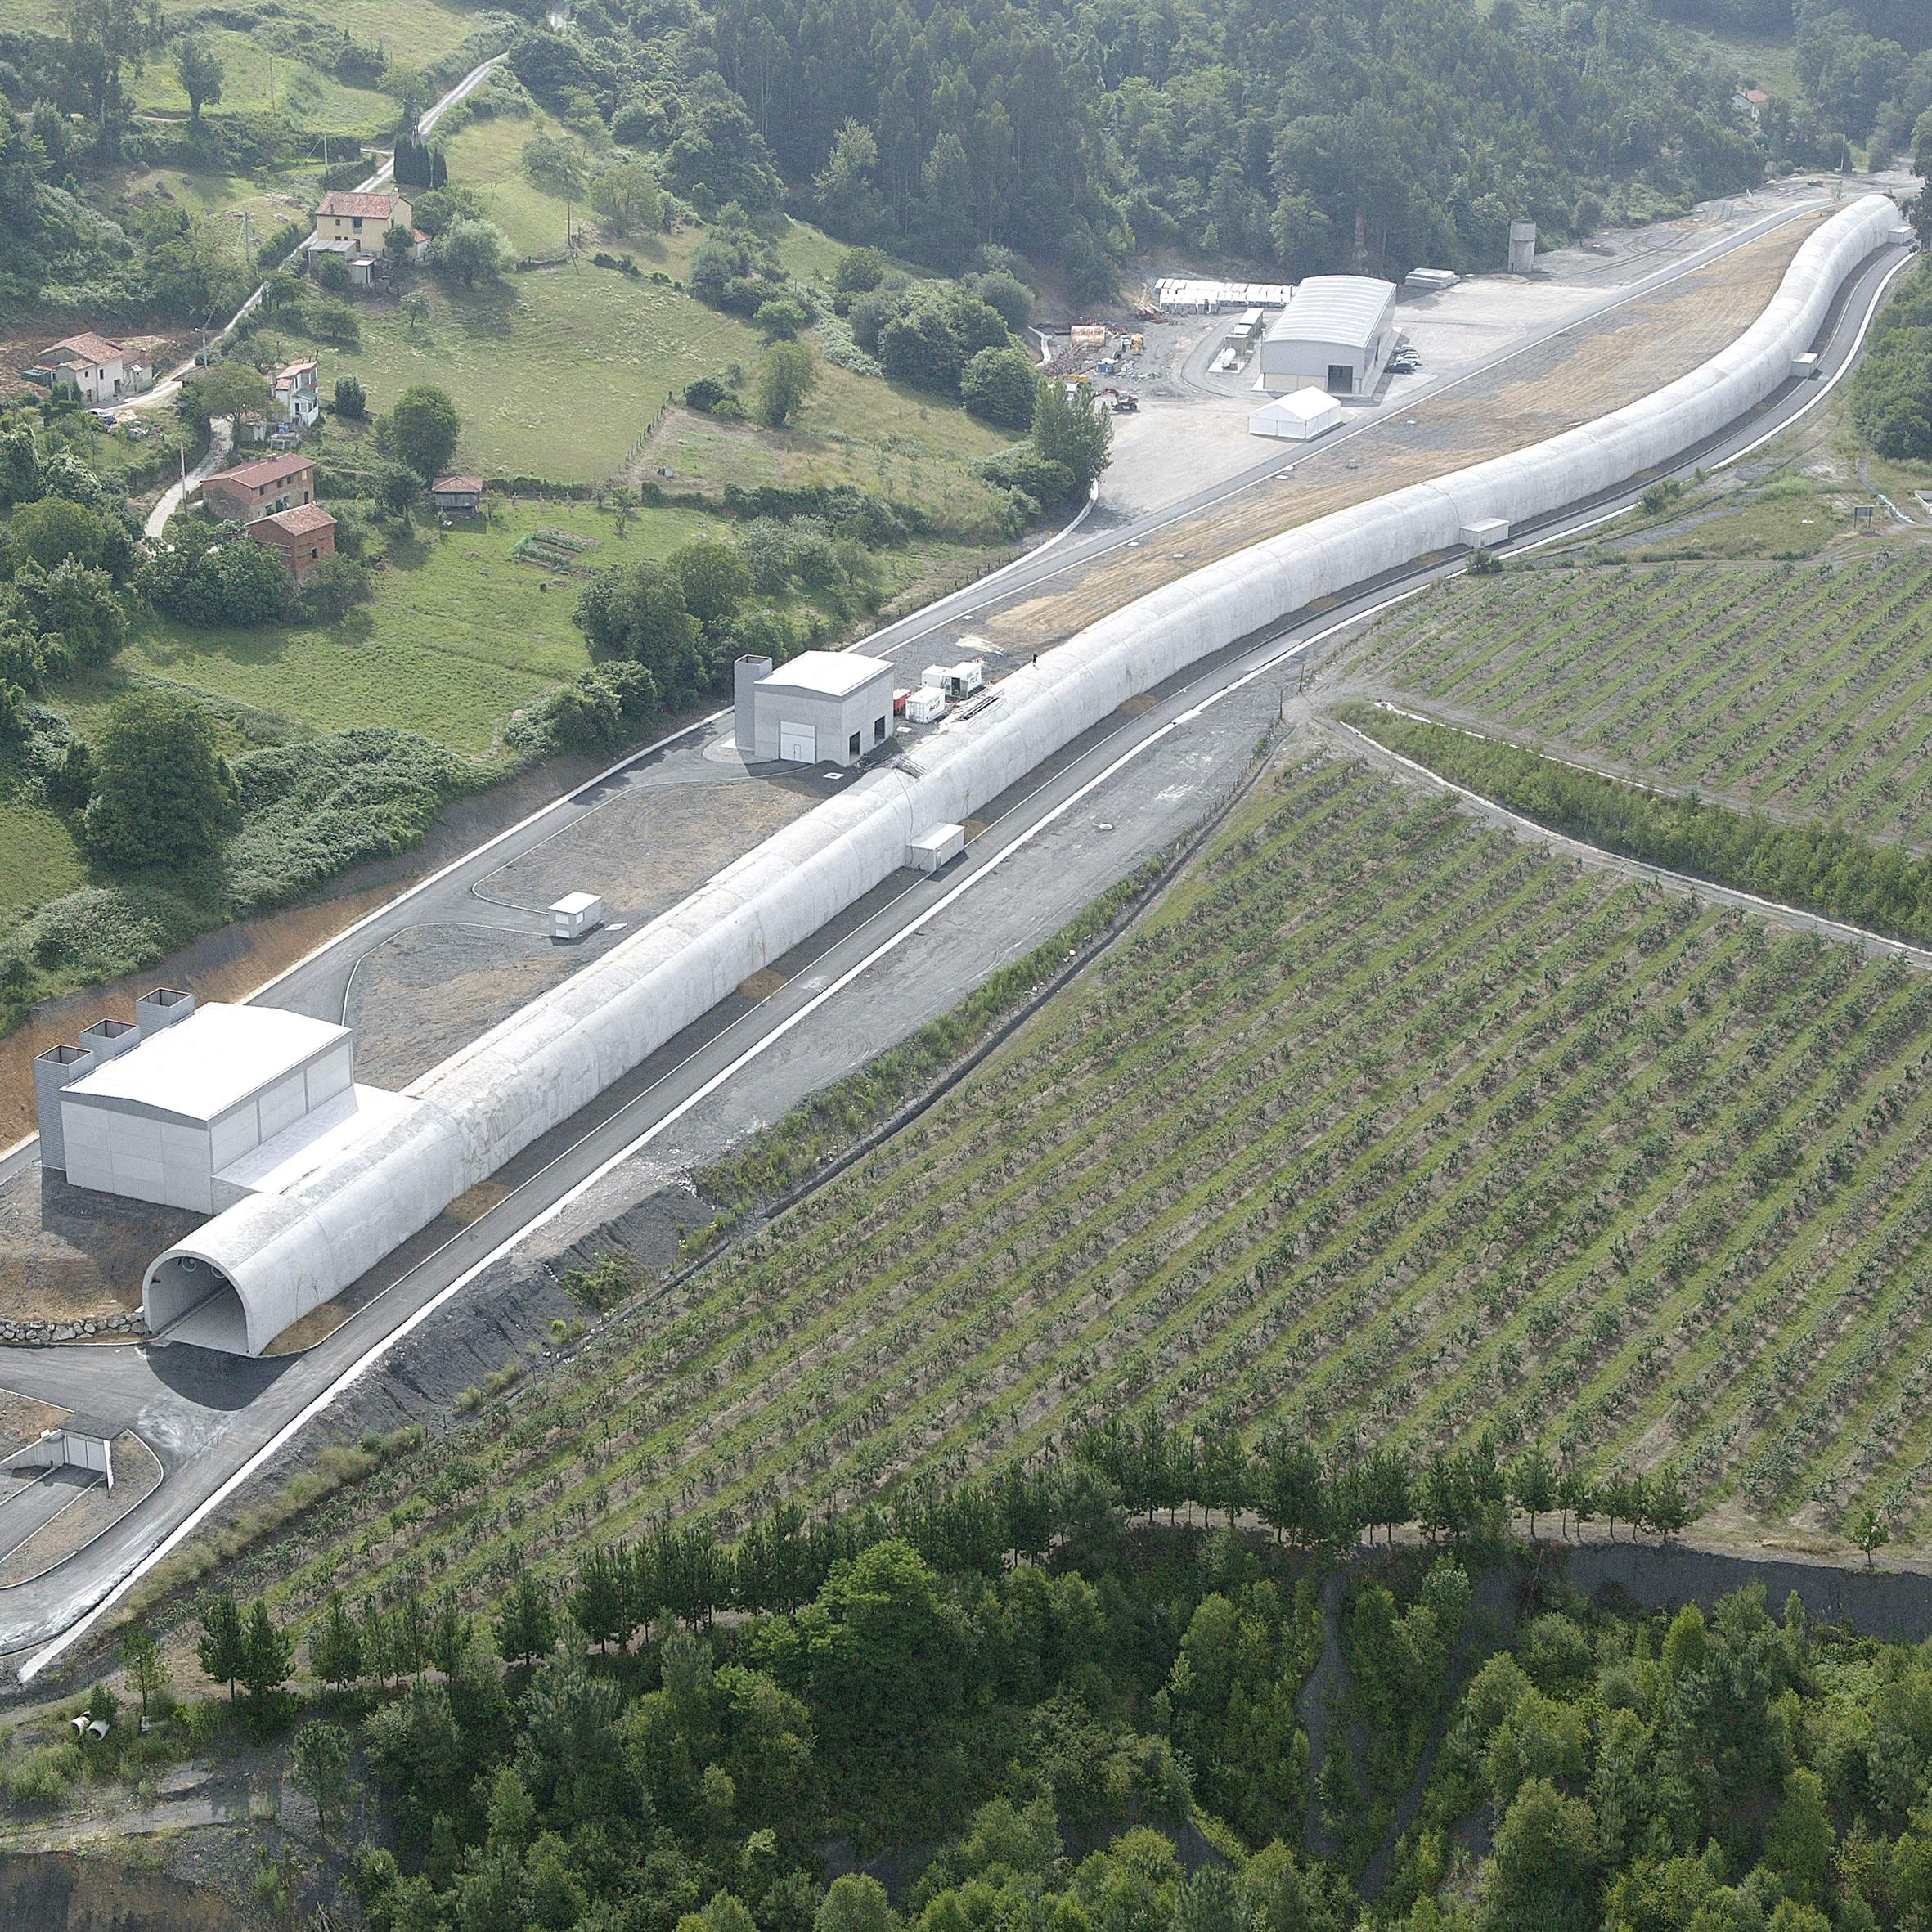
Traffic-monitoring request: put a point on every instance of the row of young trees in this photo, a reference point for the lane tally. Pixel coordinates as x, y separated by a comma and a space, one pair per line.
683, 1573
1820, 867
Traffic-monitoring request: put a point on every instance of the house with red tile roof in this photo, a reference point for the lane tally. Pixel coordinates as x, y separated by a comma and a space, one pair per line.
92, 367
252, 490
304, 536
361, 220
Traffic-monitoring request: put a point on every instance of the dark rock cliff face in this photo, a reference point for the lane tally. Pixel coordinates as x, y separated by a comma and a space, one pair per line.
57, 1892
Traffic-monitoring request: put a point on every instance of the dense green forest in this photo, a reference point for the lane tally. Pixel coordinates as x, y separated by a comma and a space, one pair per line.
1024, 1713
1892, 387
1307, 137
1824, 870
1316, 135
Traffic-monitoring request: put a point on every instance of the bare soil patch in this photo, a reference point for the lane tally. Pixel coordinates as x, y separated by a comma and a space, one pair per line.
25, 1419
69, 1254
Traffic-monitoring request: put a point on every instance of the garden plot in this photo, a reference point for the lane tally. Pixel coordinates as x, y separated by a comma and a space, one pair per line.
1805, 689
1385, 1127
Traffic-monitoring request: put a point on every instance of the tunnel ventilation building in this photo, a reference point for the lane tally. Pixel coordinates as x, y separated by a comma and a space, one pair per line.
1337, 334
199, 1107
819, 708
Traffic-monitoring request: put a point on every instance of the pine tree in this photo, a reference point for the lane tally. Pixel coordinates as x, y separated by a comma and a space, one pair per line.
268, 1655
222, 1649
335, 1646
528, 1628
142, 1659
1533, 1485
449, 1634
596, 1599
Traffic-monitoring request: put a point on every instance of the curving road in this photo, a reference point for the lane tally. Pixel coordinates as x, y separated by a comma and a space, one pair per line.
214, 1421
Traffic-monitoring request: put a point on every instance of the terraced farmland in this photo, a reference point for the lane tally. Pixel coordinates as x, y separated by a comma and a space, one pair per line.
1805, 689
1384, 1126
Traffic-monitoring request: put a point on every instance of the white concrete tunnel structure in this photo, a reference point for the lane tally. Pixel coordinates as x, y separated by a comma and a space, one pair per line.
285, 1253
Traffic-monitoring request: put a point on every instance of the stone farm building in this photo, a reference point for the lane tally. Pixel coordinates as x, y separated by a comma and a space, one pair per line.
304, 536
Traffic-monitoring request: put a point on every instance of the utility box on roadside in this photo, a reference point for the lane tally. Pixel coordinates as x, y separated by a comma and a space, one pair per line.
938, 846
1486, 532
576, 915
1805, 367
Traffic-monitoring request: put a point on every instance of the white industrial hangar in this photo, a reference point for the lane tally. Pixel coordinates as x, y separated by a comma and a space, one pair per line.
1337, 334
819, 708
198, 1107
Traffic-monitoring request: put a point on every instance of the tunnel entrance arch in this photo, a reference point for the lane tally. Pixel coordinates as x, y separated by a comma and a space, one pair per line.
187, 1298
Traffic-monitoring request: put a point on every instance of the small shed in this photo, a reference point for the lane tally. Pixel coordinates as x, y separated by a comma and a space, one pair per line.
576, 915
955, 681
925, 704
1486, 532
1298, 417
458, 495
936, 846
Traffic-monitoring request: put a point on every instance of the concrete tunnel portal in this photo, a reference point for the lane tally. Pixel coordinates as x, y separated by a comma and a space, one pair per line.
186, 1297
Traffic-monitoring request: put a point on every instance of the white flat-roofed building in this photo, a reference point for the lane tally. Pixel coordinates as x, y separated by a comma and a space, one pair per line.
161, 1122
819, 708
1337, 334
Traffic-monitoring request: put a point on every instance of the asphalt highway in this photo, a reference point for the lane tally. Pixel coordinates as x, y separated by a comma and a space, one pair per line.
214, 1420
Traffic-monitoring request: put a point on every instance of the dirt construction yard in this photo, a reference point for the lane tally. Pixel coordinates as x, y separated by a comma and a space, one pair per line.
1580, 373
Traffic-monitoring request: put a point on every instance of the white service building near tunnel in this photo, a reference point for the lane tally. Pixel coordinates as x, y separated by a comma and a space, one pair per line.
819, 708
1335, 335
297, 1247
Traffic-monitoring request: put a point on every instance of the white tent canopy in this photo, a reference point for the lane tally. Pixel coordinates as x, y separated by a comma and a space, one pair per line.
1299, 416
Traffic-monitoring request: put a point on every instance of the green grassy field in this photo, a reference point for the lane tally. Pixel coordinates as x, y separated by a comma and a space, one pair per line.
410, 35
1383, 1127
39, 859
1766, 61
459, 634
558, 372
270, 201
1802, 688
259, 78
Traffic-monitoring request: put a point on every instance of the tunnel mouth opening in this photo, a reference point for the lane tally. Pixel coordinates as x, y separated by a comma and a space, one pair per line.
188, 1299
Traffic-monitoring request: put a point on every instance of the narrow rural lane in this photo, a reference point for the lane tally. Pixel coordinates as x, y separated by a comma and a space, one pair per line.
220, 443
